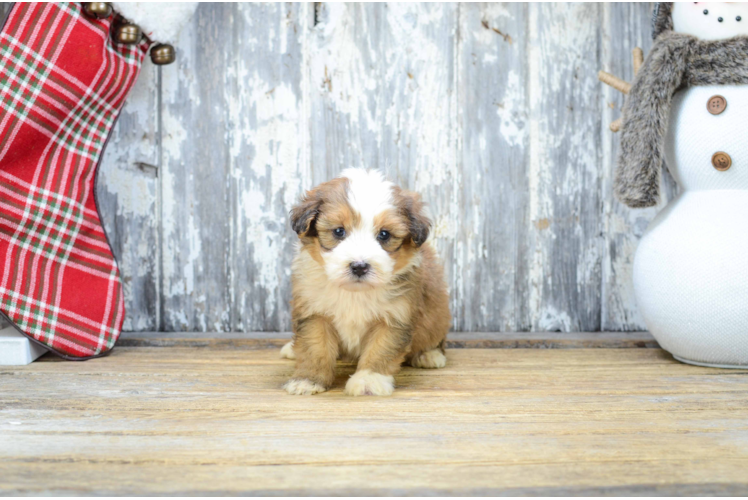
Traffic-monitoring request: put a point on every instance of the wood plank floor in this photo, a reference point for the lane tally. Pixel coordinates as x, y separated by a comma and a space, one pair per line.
153, 420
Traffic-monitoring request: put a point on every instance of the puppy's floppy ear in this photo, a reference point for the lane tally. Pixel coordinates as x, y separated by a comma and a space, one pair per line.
304, 215
412, 208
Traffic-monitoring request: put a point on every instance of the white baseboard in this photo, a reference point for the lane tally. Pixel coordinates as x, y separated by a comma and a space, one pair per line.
17, 350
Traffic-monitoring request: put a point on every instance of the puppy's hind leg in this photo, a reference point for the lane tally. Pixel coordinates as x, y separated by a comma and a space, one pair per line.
434, 358
287, 351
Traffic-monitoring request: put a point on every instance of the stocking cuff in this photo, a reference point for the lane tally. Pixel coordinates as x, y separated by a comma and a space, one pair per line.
160, 21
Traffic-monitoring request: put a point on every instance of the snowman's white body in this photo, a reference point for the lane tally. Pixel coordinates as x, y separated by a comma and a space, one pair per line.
691, 266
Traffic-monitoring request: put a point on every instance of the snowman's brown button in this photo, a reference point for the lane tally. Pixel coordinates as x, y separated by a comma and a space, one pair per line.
716, 104
721, 161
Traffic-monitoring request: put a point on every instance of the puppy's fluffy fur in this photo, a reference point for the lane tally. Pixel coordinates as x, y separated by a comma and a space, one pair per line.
366, 286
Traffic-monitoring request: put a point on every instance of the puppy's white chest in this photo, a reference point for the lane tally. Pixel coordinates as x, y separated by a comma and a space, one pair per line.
352, 315
350, 333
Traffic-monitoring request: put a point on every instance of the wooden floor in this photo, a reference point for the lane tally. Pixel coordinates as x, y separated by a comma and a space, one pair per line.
156, 420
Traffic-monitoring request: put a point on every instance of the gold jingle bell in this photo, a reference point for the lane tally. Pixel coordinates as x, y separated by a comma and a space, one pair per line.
128, 34
97, 10
163, 53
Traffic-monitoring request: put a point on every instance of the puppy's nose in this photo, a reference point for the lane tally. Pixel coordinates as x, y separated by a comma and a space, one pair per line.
359, 268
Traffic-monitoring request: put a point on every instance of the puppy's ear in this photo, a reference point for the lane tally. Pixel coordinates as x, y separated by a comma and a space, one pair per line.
304, 215
412, 208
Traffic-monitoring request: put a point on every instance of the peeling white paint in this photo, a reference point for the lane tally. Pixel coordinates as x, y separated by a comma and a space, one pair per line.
511, 112
537, 210
552, 320
172, 205
134, 191
563, 158
623, 227
382, 86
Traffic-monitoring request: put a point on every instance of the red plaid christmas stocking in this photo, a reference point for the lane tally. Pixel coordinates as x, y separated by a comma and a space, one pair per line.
62, 84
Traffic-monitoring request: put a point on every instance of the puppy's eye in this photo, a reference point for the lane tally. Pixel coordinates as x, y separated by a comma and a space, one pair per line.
383, 235
339, 232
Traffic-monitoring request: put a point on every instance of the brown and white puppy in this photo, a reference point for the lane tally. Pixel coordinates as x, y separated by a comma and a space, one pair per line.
366, 286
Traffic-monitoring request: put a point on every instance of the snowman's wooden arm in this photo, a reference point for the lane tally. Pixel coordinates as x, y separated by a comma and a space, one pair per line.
620, 85
614, 81
638, 59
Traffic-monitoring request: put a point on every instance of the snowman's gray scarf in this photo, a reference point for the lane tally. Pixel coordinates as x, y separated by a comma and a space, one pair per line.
676, 61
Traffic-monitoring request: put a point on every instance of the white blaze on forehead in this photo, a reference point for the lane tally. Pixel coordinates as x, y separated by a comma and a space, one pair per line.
369, 193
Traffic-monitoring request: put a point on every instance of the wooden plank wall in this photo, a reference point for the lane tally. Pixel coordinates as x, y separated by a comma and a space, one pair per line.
492, 111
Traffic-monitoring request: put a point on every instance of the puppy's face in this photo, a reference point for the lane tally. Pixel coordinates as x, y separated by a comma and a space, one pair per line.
361, 229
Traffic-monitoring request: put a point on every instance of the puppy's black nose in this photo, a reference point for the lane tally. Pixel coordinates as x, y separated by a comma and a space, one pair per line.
359, 268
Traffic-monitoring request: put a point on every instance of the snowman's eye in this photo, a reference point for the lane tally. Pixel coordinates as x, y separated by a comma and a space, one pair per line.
706, 12
738, 19
720, 19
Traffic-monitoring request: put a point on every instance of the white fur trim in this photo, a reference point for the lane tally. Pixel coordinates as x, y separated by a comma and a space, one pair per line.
160, 21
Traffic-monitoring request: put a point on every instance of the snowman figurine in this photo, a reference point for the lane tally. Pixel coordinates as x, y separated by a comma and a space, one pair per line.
688, 106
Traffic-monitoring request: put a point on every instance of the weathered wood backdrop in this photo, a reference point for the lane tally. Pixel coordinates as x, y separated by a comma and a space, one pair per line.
492, 111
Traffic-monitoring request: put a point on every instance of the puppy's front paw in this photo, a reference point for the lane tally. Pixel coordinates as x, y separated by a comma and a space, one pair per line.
429, 359
287, 351
303, 387
369, 383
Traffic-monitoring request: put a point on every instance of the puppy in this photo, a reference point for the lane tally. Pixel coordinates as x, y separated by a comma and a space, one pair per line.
366, 286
